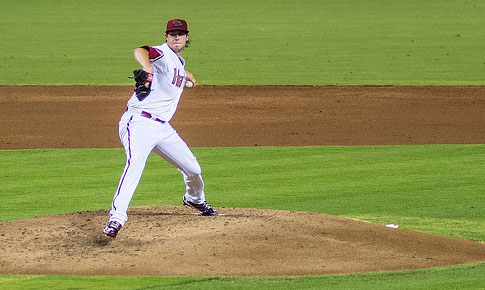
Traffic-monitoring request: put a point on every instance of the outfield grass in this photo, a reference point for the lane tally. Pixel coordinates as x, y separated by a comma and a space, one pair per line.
251, 42
431, 188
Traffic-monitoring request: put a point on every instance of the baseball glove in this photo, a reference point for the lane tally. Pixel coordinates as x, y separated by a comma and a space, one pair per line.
143, 83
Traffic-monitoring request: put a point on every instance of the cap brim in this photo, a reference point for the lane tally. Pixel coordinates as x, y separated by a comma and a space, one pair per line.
177, 30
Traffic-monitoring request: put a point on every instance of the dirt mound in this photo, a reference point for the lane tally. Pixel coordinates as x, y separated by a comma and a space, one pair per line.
173, 241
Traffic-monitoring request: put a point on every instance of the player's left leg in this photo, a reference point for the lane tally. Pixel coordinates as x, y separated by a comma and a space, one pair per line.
174, 150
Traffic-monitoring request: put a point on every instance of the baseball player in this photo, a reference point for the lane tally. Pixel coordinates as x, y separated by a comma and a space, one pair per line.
145, 127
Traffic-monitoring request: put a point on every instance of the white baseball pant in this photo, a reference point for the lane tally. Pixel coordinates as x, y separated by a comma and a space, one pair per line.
140, 136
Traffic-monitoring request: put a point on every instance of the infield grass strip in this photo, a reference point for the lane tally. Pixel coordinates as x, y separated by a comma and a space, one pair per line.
470, 276
431, 188
251, 42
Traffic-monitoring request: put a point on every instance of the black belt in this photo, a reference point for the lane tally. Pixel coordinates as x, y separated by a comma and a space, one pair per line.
151, 117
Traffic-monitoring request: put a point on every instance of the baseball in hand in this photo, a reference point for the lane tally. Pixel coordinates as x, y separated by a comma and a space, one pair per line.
189, 84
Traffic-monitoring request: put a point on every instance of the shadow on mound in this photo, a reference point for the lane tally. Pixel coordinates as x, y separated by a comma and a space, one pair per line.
173, 241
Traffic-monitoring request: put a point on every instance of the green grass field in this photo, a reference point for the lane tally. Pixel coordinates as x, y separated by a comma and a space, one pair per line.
308, 42
436, 189
431, 188
457, 277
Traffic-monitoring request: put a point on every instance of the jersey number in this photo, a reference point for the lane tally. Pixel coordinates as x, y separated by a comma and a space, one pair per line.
177, 78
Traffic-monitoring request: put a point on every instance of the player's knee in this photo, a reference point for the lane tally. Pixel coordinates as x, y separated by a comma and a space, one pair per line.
196, 170
193, 170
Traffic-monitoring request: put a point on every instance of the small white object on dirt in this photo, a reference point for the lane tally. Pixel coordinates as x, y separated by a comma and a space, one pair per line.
392, 226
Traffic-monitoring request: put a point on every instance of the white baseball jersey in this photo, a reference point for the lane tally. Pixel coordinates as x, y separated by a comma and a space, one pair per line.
167, 85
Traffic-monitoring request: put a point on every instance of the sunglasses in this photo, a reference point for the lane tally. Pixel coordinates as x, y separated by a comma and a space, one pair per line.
179, 33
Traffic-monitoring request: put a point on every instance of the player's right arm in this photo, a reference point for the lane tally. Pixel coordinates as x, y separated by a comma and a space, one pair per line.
190, 77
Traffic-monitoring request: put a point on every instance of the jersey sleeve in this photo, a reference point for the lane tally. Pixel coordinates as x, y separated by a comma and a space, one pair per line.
153, 53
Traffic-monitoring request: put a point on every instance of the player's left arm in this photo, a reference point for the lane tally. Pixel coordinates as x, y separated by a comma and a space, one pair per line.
190, 77
141, 55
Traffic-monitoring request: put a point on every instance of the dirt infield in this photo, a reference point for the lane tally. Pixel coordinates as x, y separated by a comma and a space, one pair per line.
172, 241
84, 117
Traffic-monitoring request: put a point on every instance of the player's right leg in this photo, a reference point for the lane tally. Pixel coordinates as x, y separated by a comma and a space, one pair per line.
137, 138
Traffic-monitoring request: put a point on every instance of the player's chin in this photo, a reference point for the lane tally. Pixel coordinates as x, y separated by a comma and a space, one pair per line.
178, 46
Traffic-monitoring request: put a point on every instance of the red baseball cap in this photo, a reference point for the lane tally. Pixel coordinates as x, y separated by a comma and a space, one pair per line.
176, 24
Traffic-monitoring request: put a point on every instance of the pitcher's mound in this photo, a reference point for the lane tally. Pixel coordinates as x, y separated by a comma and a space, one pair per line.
174, 241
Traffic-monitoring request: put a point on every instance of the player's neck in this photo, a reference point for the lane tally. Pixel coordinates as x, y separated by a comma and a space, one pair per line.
174, 50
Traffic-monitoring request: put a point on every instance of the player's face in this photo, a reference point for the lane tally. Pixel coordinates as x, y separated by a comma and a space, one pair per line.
176, 40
